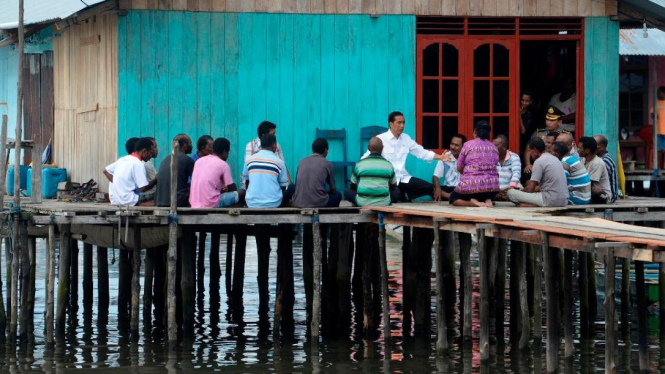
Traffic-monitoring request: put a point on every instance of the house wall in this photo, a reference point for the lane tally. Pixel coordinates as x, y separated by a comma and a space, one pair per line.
486, 8
223, 73
601, 80
86, 99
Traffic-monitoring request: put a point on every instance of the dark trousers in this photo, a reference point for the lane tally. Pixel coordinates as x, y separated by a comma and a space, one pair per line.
334, 199
414, 189
350, 195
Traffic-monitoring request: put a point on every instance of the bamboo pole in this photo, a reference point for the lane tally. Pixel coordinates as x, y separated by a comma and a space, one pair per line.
484, 295
610, 328
173, 248
551, 264
642, 317
316, 299
63, 278
50, 288
136, 285
383, 263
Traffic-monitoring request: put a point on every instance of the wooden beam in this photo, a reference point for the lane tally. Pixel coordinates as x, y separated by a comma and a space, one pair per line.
13, 37
86, 14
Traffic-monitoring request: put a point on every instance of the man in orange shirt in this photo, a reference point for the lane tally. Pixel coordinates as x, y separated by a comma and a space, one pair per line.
660, 117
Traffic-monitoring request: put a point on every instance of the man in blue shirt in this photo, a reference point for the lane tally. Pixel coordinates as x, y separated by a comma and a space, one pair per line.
266, 177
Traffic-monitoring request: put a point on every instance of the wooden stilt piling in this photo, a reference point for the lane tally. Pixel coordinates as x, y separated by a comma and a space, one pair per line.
642, 317
215, 265
568, 312
50, 286
484, 295
316, 299
448, 244
25, 281
32, 248
284, 295
74, 278
136, 284
441, 321
239, 271
87, 276
368, 296
16, 257
344, 264
102, 281
421, 265
407, 281
228, 276
172, 254
500, 287
308, 269
584, 294
262, 235
124, 299
187, 285
610, 328
200, 264
8, 285
551, 278
149, 275
626, 297
383, 263
515, 309
465, 257
538, 253
524, 306
593, 298
63, 278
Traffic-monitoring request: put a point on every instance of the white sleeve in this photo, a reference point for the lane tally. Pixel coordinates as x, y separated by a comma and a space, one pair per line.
111, 168
139, 175
439, 169
420, 152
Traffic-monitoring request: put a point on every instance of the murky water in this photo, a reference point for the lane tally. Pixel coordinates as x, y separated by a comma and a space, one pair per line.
222, 346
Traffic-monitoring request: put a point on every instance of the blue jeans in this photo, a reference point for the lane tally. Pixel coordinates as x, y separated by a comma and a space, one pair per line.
227, 199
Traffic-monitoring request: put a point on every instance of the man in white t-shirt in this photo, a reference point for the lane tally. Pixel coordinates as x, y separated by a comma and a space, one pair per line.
566, 101
128, 175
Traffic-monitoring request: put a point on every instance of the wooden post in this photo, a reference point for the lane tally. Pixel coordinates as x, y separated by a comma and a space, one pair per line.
465, 257
584, 294
262, 236
228, 277
215, 265
368, 299
500, 287
32, 248
149, 275
3, 164
441, 321
124, 278
25, 282
187, 285
551, 264
568, 311
87, 276
626, 297
661, 297
407, 280
160, 283
3, 316
50, 288
136, 284
74, 278
200, 266
16, 256
421, 265
63, 278
102, 281
538, 253
448, 244
239, 271
484, 295
344, 263
524, 306
593, 298
515, 309
308, 269
284, 295
8, 268
172, 255
610, 329
642, 317
384, 281
316, 300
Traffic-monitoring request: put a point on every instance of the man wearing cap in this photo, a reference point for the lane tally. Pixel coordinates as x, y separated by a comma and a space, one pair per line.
552, 125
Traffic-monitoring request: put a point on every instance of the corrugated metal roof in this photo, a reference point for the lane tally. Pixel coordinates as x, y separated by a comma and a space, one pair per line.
633, 43
38, 11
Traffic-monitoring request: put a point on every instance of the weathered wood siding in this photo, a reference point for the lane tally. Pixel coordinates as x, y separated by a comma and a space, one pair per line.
489, 8
601, 79
86, 98
223, 73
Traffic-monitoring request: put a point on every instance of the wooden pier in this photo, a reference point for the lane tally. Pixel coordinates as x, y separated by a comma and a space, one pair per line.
339, 269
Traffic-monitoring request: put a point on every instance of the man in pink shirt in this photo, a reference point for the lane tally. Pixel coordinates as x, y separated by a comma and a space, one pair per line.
212, 183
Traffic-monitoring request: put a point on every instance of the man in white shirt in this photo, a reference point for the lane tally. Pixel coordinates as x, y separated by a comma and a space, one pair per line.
254, 146
396, 147
566, 102
128, 176
448, 170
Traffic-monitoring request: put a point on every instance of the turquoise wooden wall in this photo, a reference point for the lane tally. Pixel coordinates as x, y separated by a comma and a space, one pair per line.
601, 80
223, 73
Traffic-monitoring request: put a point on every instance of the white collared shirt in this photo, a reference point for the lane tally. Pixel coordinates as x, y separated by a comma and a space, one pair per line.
395, 150
448, 171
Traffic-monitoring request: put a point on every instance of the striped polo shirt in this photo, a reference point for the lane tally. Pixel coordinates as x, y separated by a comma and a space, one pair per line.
577, 177
612, 173
373, 175
266, 174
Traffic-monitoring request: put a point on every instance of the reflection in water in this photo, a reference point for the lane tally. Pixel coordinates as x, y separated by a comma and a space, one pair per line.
93, 340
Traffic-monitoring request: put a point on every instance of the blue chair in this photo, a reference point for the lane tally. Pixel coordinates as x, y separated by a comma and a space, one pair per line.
367, 133
338, 135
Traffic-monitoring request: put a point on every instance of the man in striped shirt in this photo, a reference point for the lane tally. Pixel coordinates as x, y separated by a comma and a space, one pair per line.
601, 151
265, 176
509, 167
577, 176
373, 182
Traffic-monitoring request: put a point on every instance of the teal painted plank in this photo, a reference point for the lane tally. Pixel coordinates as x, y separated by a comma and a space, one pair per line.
159, 41
123, 127
368, 99
302, 33
285, 95
314, 72
258, 53
203, 84
328, 78
134, 79
176, 73
354, 87
230, 117
189, 58
148, 75
272, 69
246, 126
383, 27
216, 76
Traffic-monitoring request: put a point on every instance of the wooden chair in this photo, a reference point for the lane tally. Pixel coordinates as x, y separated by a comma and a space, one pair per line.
338, 135
367, 133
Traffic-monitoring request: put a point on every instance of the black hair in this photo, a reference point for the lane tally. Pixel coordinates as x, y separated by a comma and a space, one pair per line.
142, 143
602, 139
203, 141
268, 140
537, 144
553, 134
660, 93
560, 148
461, 136
220, 146
319, 146
503, 138
130, 145
392, 115
264, 128
483, 129
181, 139
526, 92
589, 143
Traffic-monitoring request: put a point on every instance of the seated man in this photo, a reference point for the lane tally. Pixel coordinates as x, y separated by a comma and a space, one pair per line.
610, 165
601, 192
127, 175
185, 169
549, 139
448, 170
254, 146
203, 147
577, 177
265, 175
314, 173
509, 167
212, 183
148, 197
373, 182
547, 185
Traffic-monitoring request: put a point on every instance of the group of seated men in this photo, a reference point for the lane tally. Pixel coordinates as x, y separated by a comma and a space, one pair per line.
560, 174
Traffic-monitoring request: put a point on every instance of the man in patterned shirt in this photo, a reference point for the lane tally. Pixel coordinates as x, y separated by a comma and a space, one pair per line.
254, 146
448, 170
373, 182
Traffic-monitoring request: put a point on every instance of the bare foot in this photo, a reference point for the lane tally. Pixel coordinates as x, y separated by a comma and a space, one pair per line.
489, 203
478, 203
